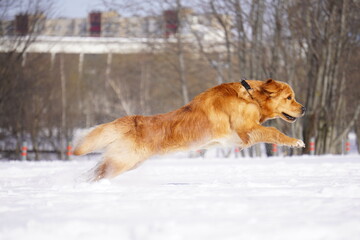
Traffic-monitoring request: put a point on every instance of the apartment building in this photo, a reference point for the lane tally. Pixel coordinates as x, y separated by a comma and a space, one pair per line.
112, 24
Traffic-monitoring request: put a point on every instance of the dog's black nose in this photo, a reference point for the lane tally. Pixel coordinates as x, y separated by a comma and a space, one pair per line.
303, 109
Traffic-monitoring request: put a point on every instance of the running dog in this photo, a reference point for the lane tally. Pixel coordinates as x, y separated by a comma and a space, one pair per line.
230, 113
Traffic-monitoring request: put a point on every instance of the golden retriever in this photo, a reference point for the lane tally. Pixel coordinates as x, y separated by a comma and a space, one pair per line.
230, 113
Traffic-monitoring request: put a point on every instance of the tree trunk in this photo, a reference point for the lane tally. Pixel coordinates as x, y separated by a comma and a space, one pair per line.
64, 130
180, 54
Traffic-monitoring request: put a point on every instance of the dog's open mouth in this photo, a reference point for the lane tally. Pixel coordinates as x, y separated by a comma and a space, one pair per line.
290, 118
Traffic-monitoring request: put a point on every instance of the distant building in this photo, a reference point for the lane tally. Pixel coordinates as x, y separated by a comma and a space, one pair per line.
111, 24
23, 24
171, 22
95, 24
7, 28
66, 27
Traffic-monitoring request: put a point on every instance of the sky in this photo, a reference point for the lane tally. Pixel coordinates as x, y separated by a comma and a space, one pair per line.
76, 8
58, 8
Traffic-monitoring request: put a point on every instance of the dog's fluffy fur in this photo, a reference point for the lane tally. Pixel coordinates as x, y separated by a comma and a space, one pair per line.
223, 114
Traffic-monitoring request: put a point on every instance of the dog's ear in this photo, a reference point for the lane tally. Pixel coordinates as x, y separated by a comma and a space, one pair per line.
270, 87
269, 80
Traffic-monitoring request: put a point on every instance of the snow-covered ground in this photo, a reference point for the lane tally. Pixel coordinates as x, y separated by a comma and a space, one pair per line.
181, 198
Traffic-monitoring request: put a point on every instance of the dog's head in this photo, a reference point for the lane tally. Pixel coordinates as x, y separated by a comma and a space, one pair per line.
280, 101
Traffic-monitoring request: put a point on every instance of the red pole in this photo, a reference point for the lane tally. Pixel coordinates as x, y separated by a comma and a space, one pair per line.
347, 146
312, 146
24, 151
236, 151
69, 150
274, 149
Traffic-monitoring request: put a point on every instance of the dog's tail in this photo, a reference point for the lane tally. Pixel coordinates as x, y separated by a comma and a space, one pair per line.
98, 138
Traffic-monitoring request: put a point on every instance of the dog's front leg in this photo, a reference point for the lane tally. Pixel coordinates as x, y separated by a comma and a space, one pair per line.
272, 135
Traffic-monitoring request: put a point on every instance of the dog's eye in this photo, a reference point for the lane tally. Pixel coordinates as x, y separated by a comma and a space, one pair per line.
289, 97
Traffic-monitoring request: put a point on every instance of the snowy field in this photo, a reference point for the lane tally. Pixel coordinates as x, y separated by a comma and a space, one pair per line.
172, 198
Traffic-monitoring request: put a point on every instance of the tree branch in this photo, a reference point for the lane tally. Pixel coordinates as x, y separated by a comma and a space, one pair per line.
347, 129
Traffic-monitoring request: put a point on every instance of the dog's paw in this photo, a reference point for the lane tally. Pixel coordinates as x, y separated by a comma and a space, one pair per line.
299, 144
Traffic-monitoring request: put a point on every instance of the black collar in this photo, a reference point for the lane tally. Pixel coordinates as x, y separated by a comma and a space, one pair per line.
246, 86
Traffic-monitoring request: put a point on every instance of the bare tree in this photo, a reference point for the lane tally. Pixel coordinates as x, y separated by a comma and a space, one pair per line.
322, 31
16, 35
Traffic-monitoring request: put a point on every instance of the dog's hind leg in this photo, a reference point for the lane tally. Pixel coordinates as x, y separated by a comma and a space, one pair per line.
109, 168
117, 162
119, 156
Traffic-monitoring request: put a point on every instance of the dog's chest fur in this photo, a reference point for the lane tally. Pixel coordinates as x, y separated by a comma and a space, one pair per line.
230, 140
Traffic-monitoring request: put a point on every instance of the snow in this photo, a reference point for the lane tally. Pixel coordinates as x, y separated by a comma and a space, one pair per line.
184, 198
